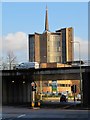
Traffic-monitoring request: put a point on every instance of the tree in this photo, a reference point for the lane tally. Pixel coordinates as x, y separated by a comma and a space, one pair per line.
8, 62
11, 59
3, 64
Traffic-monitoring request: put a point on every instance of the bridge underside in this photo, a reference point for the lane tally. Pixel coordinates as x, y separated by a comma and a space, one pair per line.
14, 91
17, 89
57, 77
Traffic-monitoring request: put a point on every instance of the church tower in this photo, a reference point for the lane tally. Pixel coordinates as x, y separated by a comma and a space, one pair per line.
51, 47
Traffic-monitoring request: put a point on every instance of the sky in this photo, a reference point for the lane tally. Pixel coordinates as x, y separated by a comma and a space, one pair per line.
22, 18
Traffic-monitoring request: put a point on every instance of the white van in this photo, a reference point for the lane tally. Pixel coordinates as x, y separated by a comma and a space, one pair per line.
28, 65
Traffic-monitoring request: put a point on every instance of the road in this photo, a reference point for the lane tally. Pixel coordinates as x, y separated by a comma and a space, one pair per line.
62, 105
24, 113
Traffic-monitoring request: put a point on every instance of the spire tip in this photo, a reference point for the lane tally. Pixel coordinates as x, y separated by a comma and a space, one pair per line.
46, 20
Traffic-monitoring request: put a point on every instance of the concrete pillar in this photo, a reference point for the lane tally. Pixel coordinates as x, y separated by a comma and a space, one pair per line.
28, 92
86, 91
4, 91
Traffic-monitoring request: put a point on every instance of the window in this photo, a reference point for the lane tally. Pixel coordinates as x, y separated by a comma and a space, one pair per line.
48, 48
57, 58
62, 85
59, 49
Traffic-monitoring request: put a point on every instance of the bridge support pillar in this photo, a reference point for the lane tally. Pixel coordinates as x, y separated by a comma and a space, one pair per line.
86, 91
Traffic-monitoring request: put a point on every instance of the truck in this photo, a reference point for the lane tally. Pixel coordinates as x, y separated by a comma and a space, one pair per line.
27, 65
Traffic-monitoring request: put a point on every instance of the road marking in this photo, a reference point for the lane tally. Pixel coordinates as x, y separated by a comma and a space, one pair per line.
21, 116
66, 107
36, 108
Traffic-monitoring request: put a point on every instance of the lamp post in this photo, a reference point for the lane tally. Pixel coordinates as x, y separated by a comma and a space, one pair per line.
80, 70
40, 87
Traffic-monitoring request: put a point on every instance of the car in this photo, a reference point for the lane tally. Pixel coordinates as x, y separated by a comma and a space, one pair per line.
63, 98
27, 65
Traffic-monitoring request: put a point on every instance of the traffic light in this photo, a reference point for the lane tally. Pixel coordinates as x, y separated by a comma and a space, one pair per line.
33, 88
33, 84
74, 88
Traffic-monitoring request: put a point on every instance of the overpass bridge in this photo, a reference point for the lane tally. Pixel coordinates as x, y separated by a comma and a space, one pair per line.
15, 91
69, 73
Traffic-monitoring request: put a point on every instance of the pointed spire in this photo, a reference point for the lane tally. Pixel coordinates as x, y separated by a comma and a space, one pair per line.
46, 21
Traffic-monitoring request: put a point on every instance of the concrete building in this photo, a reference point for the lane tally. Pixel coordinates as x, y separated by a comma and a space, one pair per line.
51, 47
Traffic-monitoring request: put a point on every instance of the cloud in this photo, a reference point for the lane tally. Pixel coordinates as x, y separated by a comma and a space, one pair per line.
15, 41
0, 44
83, 48
0, 47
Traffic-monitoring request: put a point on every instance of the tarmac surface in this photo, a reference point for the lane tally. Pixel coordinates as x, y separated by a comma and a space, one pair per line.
36, 113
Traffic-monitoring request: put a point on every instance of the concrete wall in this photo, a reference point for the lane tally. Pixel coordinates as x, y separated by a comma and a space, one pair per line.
16, 91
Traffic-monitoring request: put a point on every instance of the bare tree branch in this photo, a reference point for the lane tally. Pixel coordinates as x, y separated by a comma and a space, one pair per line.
9, 62
11, 59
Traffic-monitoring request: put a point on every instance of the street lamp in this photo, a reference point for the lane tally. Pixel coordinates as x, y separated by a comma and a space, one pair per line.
80, 70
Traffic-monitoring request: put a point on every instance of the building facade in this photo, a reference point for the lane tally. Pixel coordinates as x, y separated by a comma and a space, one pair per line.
50, 47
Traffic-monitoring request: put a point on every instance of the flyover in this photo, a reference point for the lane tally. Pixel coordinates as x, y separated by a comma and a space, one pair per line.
15, 91
69, 73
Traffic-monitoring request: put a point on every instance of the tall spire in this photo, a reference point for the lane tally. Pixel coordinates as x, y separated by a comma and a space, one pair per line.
46, 21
